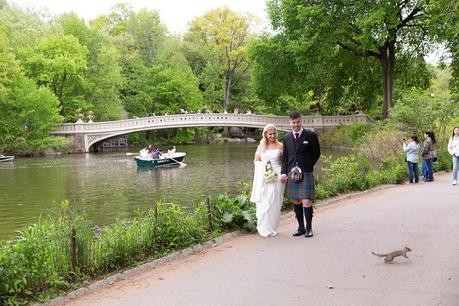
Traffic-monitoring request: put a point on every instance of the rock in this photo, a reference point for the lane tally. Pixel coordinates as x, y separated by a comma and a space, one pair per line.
50, 152
235, 131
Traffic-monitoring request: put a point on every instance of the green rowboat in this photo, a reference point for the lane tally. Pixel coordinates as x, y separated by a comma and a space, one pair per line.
162, 162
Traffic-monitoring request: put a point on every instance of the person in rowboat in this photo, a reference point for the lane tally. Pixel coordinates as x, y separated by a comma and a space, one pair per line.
171, 151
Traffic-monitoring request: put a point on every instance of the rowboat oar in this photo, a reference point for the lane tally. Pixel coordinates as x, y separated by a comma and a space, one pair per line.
129, 153
182, 165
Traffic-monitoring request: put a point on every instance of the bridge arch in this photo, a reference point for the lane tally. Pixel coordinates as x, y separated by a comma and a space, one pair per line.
86, 135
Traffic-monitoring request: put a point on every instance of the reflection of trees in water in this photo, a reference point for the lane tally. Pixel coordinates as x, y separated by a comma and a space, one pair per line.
161, 184
160, 175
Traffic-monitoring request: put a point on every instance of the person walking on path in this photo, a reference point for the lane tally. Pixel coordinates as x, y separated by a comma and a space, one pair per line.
453, 149
428, 156
412, 158
267, 188
301, 150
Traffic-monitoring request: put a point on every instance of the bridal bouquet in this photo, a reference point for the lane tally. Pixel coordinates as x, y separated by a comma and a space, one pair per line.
269, 175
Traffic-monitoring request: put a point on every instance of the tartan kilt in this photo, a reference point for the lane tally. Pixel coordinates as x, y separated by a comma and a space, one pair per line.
303, 190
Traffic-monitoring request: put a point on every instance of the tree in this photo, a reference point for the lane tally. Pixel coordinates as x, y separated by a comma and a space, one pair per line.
9, 66
59, 62
219, 40
158, 77
445, 30
166, 87
114, 23
148, 34
28, 113
103, 79
25, 28
318, 33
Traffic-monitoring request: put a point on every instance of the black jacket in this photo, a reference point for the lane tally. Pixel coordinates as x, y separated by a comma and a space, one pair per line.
305, 151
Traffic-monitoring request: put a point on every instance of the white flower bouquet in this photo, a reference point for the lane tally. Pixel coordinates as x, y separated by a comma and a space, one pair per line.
269, 175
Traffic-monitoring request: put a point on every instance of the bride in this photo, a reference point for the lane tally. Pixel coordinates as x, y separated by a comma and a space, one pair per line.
267, 189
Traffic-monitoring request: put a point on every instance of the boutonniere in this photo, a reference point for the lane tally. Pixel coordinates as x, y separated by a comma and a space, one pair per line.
305, 142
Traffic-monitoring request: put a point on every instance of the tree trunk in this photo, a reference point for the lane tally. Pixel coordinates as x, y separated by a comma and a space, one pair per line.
60, 94
227, 94
197, 136
388, 62
226, 101
61, 90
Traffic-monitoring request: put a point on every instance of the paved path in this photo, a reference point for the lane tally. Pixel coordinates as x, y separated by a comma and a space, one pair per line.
283, 270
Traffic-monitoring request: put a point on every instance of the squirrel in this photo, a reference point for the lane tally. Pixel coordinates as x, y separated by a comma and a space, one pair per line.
389, 257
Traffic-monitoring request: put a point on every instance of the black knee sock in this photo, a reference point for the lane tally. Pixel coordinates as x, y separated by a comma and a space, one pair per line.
308, 213
299, 215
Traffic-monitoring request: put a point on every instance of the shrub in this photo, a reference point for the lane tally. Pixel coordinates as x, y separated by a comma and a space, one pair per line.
382, 144
178, 230
35, 262
351, 135
444, 161
344, 174
353, 172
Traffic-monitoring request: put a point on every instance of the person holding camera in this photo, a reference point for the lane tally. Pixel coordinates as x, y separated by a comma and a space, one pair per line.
412, 158
301, 152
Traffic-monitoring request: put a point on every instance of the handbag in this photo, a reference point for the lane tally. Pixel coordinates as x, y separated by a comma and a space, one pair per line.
296, 175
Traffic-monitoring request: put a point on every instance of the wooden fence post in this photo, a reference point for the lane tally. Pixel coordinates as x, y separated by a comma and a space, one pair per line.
74, 249
155, 229
209, 215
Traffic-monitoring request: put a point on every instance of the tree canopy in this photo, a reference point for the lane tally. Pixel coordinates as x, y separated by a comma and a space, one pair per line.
342, 47
216, 49
29, 112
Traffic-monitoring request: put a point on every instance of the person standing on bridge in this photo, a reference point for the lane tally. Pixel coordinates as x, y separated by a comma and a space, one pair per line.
267, 188
301, 152
453, 149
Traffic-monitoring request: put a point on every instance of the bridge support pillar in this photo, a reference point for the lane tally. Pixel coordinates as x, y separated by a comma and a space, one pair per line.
77, 143
318, 123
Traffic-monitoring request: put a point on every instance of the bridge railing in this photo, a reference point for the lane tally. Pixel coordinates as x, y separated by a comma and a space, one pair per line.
184, 120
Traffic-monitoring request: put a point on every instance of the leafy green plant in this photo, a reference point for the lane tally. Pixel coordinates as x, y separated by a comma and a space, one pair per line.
235, 212
444, 161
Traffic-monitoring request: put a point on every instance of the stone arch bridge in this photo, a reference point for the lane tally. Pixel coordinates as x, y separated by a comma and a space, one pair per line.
84, 135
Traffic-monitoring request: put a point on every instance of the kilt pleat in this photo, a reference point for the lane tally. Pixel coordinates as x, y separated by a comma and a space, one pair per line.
303, 190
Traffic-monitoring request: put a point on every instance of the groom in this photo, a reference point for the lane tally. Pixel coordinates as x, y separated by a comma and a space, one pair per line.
300, 146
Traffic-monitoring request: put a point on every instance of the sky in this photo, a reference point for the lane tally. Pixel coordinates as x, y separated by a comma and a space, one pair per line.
175, 14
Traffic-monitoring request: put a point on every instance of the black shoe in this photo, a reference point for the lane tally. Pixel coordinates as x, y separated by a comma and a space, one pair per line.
299, 232
308, 233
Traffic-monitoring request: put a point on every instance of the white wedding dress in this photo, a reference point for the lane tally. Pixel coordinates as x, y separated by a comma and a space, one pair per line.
268, 196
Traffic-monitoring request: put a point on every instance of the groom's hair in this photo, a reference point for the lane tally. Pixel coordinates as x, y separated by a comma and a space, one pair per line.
295, 115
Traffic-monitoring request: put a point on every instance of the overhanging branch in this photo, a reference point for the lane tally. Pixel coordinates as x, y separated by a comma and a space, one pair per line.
363, 53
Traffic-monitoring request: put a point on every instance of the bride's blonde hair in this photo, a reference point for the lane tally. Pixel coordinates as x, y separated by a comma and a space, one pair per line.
264, 141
